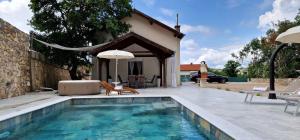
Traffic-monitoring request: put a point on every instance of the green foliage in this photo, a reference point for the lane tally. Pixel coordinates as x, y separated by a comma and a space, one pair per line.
217, 71
260, 51
231, 68
76, 23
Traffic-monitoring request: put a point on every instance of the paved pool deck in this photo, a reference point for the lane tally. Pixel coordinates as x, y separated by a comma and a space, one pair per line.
264, 118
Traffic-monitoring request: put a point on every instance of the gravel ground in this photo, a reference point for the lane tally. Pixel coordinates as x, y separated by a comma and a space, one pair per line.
238, 86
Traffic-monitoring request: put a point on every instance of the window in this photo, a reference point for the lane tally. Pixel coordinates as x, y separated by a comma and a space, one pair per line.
135, 68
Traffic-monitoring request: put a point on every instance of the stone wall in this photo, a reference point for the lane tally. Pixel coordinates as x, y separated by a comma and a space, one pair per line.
15, 61
45, 75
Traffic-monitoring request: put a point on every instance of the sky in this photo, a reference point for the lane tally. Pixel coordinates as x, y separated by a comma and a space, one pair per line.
213, 28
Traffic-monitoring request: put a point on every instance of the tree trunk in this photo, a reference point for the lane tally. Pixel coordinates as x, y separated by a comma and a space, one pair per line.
73, 73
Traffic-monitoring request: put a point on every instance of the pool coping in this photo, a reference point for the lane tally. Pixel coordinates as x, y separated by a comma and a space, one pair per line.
227, 127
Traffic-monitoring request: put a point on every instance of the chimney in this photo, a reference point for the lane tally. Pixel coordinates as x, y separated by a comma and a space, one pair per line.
177, 27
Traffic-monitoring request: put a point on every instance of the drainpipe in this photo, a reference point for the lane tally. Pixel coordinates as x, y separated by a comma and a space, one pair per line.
272, 94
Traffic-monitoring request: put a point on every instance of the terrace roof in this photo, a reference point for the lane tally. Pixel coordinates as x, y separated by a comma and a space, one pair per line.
132, 38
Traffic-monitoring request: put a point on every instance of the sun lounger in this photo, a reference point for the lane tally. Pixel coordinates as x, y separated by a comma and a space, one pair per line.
254, 91
78, 87
289, 90
119, 89
292, 99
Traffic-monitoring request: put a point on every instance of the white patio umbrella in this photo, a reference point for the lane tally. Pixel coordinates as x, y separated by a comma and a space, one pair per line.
115, 54
292, 35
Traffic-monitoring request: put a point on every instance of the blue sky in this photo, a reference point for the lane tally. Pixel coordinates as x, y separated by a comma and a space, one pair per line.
214, 28
218, 27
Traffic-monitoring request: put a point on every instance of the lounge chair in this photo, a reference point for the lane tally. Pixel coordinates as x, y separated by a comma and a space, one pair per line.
119, 89
254, 91
289, 90
291, 99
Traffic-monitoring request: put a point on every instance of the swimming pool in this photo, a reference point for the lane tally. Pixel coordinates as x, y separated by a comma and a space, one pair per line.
111, 118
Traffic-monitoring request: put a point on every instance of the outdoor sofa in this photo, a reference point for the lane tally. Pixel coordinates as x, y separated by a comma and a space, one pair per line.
78, 87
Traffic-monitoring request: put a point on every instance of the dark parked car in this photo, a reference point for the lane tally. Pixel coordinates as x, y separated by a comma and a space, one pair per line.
211, 78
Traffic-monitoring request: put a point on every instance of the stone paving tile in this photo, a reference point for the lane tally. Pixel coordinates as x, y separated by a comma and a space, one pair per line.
265, 118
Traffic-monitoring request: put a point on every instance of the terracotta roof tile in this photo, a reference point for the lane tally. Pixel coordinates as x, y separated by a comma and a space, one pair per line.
189, 67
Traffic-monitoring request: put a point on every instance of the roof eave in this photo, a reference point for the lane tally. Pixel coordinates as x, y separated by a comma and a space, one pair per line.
176, 33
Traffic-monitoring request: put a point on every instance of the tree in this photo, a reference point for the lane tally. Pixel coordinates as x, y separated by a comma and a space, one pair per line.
260, 51
217, 71
76, 23
231, 68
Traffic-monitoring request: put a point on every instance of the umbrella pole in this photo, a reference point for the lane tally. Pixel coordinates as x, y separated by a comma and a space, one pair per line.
116, 76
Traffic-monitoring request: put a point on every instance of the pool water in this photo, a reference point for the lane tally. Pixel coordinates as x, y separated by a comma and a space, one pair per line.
154, 121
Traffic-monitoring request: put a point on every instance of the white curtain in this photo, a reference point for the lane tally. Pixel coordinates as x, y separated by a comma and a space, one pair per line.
131, 67
172, 62
139, 65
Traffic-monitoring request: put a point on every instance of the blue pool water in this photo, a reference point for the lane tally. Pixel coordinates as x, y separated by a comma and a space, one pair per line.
154, 121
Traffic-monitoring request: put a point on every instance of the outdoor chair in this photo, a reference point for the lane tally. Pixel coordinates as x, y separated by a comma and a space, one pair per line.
132, 81
151, 83
119, 89
141, 81
124, 83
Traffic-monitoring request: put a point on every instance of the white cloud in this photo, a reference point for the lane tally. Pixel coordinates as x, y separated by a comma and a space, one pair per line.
191, 52
17, 13
167, 12
186, 28
149, 2
189, 45
218, 57
282, 10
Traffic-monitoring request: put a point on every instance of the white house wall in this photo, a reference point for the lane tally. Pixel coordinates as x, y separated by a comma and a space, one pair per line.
153, 32
158, 34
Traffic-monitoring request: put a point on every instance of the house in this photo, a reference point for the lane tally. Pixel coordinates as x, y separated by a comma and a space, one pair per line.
156, 48
187, 69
